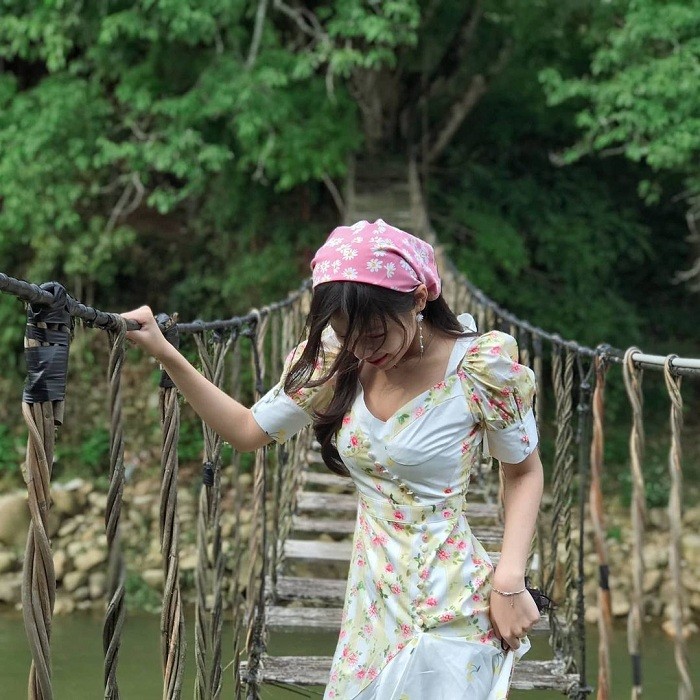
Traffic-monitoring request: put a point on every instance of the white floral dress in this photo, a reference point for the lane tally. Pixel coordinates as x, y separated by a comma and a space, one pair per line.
415, 621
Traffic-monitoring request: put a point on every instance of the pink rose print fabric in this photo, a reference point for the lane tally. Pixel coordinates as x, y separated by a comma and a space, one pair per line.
415, 621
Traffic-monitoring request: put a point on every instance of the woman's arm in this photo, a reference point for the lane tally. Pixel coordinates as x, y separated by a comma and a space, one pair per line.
512, 616
230, 419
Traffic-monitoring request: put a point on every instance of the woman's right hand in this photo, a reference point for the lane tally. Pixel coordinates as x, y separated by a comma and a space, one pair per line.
149, 336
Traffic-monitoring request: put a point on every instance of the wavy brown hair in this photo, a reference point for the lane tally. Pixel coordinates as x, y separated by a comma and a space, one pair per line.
365, 306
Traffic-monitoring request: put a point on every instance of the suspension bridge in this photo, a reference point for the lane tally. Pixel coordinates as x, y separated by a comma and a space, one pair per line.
303, 516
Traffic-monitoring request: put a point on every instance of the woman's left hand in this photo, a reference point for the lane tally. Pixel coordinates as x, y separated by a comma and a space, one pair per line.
513, 616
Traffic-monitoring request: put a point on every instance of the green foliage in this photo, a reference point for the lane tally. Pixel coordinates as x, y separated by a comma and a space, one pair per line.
11, 452
640, 97
657, 484
569, 248
139, 595
87, 456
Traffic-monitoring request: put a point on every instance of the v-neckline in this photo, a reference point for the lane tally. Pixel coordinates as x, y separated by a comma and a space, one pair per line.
450, 369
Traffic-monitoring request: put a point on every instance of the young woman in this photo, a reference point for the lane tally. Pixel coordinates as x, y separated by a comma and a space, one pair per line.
403, 396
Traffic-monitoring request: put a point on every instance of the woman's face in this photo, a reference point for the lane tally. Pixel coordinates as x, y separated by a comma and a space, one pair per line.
380, 349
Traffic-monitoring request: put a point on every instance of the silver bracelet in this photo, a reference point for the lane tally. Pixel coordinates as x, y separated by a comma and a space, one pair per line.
508, 594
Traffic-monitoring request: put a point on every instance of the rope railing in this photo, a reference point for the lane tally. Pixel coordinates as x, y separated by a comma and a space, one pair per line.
277, 472
116, 607
172, 619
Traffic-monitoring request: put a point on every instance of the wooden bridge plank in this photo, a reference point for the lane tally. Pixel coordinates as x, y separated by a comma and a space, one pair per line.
330, 590
314, 670
336, 503
313, 549
328, 619
328, 479
332, 551
328, 525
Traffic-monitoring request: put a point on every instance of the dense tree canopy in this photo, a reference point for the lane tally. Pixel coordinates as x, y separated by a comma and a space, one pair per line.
148, 148
641, 97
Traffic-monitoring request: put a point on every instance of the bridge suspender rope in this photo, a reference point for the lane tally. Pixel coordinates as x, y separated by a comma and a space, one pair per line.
279, 477
47, 338
633, 384
172, 620
116, 609
679, 607
597, 518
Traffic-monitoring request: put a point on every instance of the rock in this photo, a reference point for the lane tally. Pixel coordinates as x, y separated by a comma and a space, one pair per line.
154, 578
11, 588
691, 518
65, 502
64, 604
658, 518
690, 581
591, 615
688, 628
188, 561
652, 580
60, 564
89, 559
81, 594
620, 606
691, 548
97, 584
8, 562
74, 548
69, 527
98, 501
245, 481
655, 555
14, 519
73, 580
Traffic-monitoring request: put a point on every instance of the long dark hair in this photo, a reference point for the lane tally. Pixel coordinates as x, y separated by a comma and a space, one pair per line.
364, 305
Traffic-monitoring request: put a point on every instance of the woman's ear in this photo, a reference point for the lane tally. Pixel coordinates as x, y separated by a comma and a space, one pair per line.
420, 297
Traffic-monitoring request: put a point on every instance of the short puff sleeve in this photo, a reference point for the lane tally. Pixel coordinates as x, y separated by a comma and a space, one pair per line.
500, 394
282, 415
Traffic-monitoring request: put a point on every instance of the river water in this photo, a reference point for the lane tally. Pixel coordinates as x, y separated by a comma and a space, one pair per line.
77, 660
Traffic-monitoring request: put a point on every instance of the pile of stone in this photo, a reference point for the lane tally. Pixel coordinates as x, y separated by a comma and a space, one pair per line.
79, 544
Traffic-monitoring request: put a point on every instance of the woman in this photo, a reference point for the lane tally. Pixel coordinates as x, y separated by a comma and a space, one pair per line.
403, 395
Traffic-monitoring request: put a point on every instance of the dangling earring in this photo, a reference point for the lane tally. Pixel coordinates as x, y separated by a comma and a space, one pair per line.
419, 318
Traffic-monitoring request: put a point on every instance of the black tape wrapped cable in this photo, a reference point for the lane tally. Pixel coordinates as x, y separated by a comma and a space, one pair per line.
47, 365
170, 331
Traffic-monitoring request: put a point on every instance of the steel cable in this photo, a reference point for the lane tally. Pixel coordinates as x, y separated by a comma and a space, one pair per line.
633, 385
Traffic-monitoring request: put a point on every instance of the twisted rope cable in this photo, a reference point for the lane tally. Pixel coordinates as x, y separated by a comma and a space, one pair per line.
116, 610
237, 603
172, 622
633, 385
550, 578
583, 439
255, 603
210, 561
38, 578
675, 506
562, 378
281, 458
567, 439
596, 508
202, 625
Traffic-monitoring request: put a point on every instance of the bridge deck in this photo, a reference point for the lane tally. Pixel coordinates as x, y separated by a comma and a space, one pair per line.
322, 528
